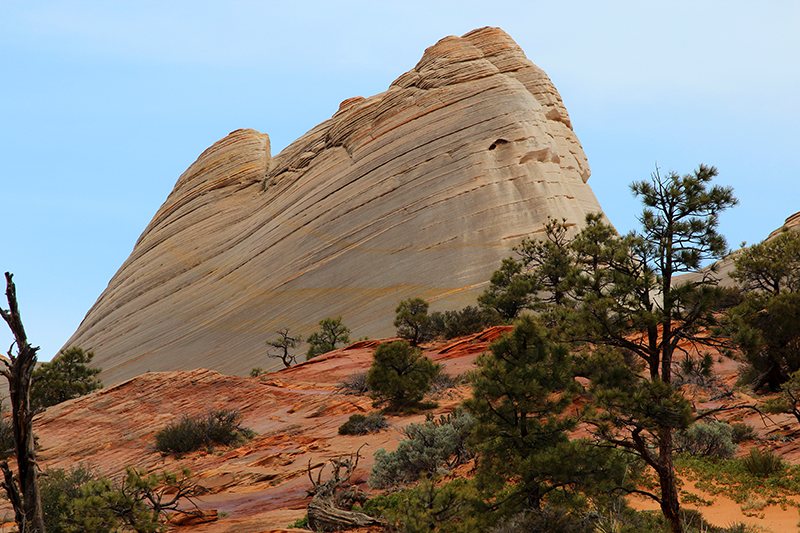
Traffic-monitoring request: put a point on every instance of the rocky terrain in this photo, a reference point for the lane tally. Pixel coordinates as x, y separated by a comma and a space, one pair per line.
296, 412
462, 157
261, 485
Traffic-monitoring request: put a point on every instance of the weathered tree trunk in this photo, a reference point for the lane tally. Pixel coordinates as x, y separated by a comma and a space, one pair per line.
670, 505
19, 372
331, 509
324, 516
13, 496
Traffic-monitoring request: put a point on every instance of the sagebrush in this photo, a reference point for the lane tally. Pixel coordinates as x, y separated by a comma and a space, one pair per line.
435, 446
217, 428
359, 424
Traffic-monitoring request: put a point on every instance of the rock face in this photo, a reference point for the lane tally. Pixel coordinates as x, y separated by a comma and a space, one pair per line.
792, 223
417, 191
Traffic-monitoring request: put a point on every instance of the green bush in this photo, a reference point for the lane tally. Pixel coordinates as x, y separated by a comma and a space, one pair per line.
217, 428
762, 463
80, 500
430, 506
705, 439
466, 321
432, 447
58, 489
400, 376
300, 523
743, 432
361, 425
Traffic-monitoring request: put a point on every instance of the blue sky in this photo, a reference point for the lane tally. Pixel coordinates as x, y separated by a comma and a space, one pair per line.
104, 104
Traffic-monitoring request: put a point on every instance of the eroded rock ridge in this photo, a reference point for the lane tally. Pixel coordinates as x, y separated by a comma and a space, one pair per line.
417, 191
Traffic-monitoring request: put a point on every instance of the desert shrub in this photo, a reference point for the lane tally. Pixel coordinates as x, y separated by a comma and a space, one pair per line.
255, 372
361, 425
741, 432
442, 382
434, 446
704, 439
217, 428
300, 523
762, 463
460, 322
355, 383
400, 375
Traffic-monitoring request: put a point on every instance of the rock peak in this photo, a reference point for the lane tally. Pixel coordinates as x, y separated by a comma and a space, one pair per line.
418, 191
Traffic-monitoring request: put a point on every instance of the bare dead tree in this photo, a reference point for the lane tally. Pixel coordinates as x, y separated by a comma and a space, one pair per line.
330, 508
284, 343
18, 370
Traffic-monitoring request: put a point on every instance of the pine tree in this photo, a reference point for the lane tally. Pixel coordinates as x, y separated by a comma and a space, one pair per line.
767, 322
628, 299
510, 290
67, 376
522, 394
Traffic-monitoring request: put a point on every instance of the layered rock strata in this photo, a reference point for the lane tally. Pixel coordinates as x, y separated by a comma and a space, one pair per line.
417, 191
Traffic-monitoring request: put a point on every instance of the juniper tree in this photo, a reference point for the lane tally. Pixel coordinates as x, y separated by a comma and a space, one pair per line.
412, 320
332, 333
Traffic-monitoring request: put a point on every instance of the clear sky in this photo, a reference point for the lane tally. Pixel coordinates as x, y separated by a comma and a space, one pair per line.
104, 104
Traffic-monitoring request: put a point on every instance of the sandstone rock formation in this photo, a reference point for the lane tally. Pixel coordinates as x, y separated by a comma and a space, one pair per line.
792, 223
417, 191
261, 485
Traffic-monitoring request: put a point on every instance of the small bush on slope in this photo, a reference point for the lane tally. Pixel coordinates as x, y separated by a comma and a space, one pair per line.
429, 448
361, 425
217, 428
466, 321
400, 376
705, 439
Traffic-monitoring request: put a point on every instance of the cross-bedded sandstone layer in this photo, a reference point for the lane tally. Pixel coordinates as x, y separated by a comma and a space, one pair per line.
417, 191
